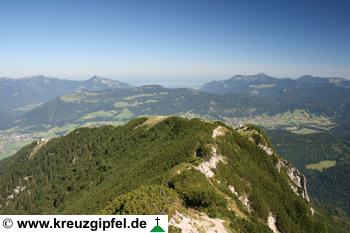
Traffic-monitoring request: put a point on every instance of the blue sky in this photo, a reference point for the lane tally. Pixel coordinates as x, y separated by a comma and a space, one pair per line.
174, 40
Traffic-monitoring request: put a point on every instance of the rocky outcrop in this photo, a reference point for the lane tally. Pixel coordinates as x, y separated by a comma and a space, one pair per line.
298, 184
271, 222
219, 131
267, 149
297, 178
206, 167
243, 198
197, 222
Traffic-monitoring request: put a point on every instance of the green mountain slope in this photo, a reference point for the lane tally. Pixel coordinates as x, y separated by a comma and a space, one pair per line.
304, 149
265, 85
328, 96
17, 96
300, 139
329, 180
197, 172
125, 104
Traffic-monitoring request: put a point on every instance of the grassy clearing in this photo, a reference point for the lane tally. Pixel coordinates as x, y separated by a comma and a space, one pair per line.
133, 97
82, 96
55, 131
101, 123
302, 130
261, 86
75, 97
322, 165
98, 114
152, 121
125, 114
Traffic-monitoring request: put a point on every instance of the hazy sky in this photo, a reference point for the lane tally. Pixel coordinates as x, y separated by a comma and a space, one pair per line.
168, 40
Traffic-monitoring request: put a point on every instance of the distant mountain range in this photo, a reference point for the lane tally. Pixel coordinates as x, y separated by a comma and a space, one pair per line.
16, 93
307, 118
328, 96
20, 95
262, 84
125, 104
241, 96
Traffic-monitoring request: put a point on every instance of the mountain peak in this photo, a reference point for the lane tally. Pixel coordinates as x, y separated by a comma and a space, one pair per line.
308, 77
96, 77
262, 75
97, 83
259, 76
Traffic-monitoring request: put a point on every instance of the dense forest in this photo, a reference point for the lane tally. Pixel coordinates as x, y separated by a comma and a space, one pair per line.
155, 165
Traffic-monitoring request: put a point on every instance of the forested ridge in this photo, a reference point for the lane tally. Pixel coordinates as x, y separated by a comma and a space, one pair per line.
156, 165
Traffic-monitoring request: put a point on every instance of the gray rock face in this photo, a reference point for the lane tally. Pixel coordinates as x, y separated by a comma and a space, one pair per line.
298, 179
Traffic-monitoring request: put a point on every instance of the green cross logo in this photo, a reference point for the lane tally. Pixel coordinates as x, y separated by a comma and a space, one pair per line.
157, 228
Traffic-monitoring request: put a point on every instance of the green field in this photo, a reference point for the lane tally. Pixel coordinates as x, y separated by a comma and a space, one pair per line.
12, 148
98, 114
322, 165
298, 121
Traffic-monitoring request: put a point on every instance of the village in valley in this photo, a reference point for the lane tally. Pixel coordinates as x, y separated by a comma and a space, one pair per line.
11, 141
